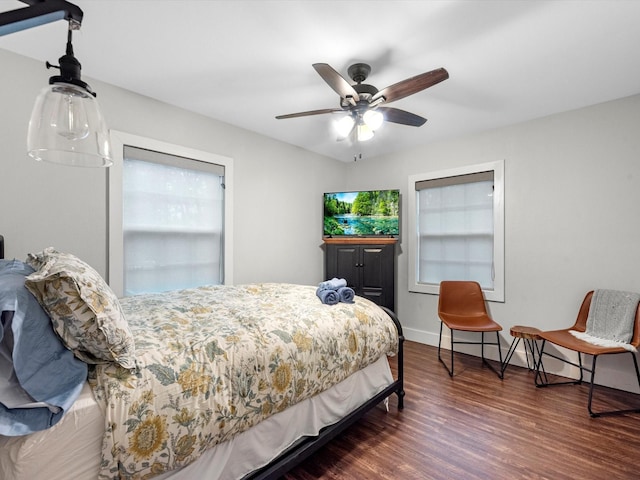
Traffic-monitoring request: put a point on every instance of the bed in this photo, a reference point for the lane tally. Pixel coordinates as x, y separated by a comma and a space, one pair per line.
216, 382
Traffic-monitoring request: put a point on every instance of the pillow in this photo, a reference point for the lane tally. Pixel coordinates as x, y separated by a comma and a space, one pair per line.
84, 311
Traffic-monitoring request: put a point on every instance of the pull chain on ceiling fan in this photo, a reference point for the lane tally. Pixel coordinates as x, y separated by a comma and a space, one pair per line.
363, 103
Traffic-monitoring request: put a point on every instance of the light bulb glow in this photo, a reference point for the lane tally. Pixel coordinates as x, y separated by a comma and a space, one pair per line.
373, 119
344, 126
364, 132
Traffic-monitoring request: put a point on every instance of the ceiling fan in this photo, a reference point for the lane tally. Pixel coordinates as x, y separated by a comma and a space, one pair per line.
362, 103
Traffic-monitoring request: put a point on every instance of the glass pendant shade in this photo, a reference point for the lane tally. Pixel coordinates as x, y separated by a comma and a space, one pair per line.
67, 127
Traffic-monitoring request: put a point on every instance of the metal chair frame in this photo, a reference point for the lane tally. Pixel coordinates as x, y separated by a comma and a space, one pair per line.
499, 372
583, 368
562, 338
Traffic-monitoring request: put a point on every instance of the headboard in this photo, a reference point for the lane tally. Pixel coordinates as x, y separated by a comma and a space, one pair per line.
1, 247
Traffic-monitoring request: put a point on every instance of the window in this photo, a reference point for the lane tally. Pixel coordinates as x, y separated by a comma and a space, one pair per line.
456, 220
169, 222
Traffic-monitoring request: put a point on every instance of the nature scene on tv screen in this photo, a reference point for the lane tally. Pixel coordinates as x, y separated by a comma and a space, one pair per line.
361, 213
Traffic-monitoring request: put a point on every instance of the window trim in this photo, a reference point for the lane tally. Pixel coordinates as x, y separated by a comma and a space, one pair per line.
497, 293
115, 247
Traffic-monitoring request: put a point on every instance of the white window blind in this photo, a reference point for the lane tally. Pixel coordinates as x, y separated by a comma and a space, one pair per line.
457, 217
172, 222
455, 221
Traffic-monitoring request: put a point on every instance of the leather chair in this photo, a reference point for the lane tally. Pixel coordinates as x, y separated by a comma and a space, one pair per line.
563, 338
461, 307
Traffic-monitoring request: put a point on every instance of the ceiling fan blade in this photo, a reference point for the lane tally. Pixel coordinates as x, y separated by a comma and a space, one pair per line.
310, 112
411, 85
337, 82
395, 115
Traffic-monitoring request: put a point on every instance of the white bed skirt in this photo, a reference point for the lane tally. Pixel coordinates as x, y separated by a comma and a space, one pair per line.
71, 449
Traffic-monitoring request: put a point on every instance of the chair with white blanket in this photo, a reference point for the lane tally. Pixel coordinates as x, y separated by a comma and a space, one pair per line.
608, 323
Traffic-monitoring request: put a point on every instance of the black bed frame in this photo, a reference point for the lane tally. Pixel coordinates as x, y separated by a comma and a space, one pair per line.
307, 446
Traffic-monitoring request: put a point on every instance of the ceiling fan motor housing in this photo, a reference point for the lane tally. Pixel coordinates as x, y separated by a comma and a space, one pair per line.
358, 72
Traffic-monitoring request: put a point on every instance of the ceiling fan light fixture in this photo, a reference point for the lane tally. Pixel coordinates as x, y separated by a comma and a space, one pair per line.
344, 126
373, 119
364, 132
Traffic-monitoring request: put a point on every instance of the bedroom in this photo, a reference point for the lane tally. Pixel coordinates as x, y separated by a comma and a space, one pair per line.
571, 187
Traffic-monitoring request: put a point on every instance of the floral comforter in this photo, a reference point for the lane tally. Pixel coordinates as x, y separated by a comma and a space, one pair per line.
213, 361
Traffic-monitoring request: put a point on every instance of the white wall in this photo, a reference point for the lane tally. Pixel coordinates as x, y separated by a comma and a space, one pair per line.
572, 191
277, 192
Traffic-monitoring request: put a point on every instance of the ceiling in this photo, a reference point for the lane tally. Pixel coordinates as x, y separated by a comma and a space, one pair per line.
244, 62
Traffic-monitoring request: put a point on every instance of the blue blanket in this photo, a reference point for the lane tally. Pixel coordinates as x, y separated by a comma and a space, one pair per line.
44, 368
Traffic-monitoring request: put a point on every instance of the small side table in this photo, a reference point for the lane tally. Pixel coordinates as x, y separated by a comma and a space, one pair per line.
530, 335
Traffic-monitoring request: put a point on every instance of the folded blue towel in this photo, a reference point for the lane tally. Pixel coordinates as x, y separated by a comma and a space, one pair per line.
333, 284
328, 297
346, 294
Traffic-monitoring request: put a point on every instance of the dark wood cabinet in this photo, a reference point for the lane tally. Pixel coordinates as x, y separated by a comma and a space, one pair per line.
368, 265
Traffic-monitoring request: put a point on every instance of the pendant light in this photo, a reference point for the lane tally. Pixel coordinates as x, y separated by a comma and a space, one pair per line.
66, 125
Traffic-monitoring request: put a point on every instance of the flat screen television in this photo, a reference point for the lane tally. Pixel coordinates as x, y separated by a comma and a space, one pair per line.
369, 213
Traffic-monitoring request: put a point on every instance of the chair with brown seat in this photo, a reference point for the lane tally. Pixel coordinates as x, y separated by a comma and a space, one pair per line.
462, 307
565, 339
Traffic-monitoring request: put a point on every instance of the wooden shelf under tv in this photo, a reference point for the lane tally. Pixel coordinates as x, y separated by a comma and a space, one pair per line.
362, 240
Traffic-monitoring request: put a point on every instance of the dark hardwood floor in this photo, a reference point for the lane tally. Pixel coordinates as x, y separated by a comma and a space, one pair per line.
476, 426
